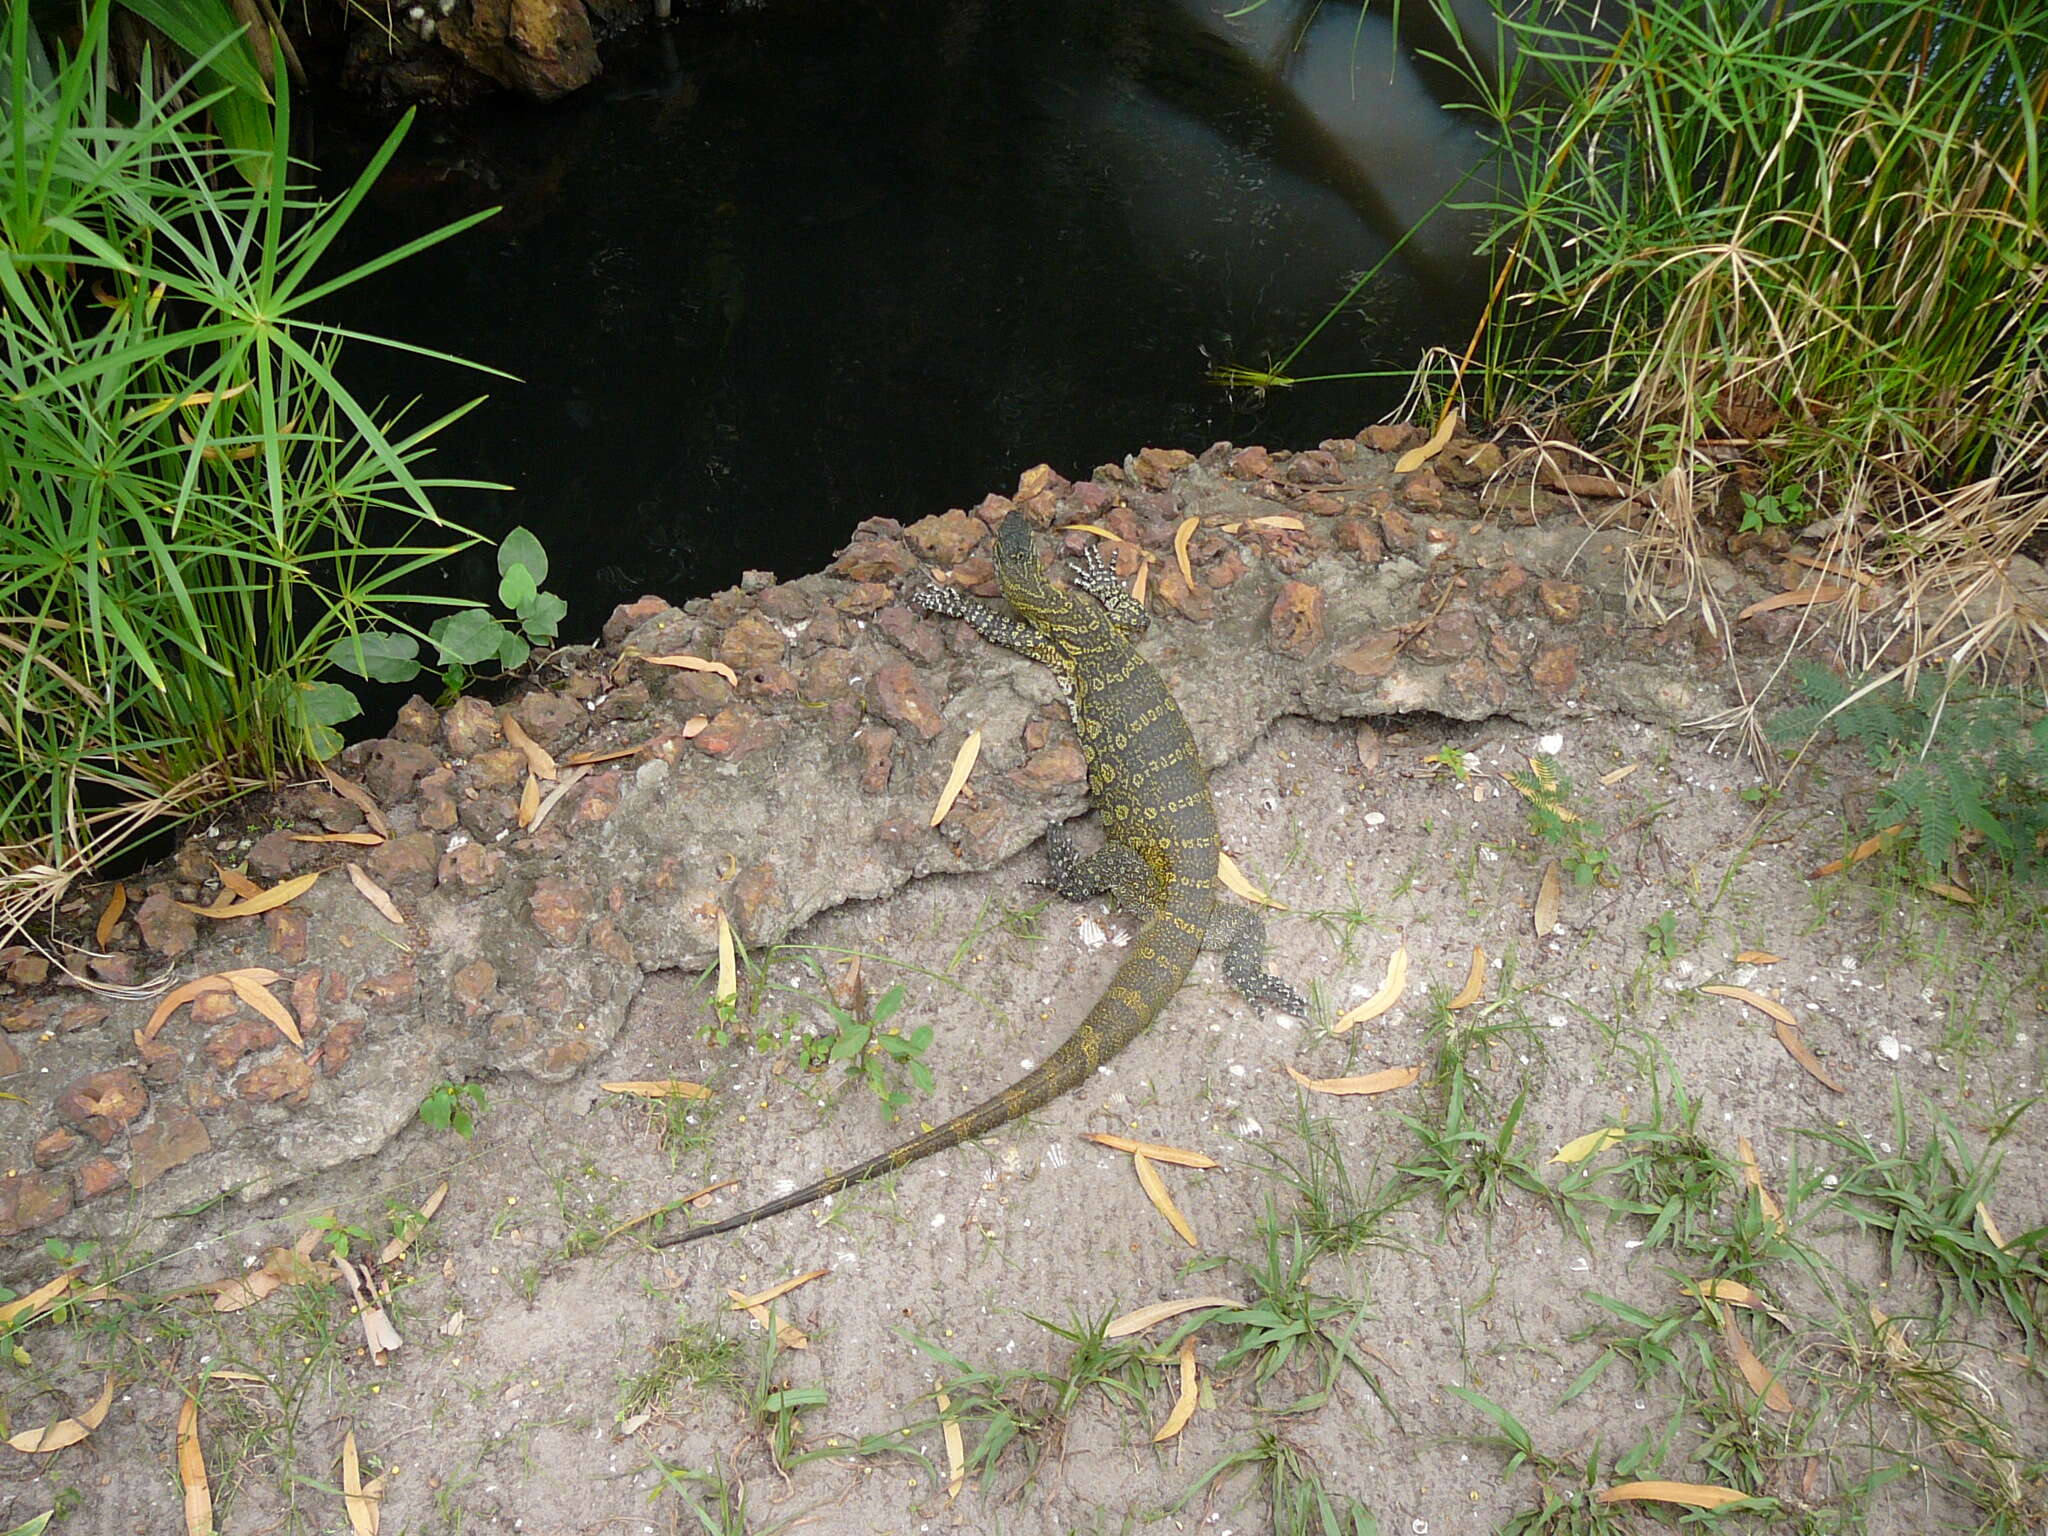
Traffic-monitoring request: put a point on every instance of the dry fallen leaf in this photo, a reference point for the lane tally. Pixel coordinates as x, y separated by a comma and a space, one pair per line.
110, 914
276, 896
1797, 1048
355, 839
1143, 583
563, 785
787, 1335
538, 761
584, 759
378, 1334
529, 801
358, 797
395, 1248
377, 896
1697, 1495
1948, 890
282, 1267
1415, 458
1756, 957
1615, 775
1475, 981
36, 1299
1754, 1371
694, 726
1157, 1312
1753, 1176
192, 1472
1804, 597
728, 968
1549, 900
234, 880
1190, 1394
1579, 1148
1734, 1292
1158, 1152
1155, 1191
956, 1447
1293, 524
1372, 1082
963, 765
774, 1292
1990, 1227
696, 664
257, 995
660, 1088
56, 1436
1389, 993
1756, 1000
1877, 842
1181, 535
1233, 880
200, 986
362, 1509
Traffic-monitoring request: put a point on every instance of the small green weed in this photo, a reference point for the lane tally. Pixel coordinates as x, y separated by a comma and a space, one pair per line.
1467, 1164
1335, 1214
1660, 933
1297, 1503
700, 1355
1556, 818
454, 1107
872, 1051
1774, 509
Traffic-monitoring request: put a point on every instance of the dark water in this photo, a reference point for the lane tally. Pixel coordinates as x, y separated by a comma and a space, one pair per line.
775, 274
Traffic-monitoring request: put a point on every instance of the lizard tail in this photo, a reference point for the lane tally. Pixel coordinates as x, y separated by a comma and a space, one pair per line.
1160, 959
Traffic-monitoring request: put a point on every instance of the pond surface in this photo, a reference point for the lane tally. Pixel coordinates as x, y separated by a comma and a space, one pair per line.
780, 272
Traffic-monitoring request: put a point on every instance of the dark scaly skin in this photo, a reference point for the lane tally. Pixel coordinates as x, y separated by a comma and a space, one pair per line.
1145, 777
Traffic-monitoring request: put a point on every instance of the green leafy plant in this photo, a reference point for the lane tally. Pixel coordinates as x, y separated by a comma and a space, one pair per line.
1297, 1503
1773, 509
1661, 934
454, 1107
1962, 763
874, 1052
198, 519
338, 1236
1555, 817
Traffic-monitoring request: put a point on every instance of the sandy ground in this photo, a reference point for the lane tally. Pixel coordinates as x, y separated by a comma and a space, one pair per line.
534, 1392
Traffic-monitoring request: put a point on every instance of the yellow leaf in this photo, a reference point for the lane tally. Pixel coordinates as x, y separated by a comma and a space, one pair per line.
1159, 1311
1549, 900
395, 1249
1155, 1191
1415, 458
1697, 1495
110, 914
192, 1472
1097, 529
1756, 1000
1753, 1176
357, 839
1949, 890
761, 1299
529, 800
276, 896
1804, 597
1616, 775
1190, 1394
1152, 1149
1754, 1371
694, 726
956, 1447
1990, 1227
362, 1509
581, 759
1389, 993
963, 765
1143, 584
787, 1335
728, 969
1877, 842
377, 896
178, 997
1797, 1048
56, 1436
1579, 1148
253, 992
1756, 957
660, 1088
358, 797
1372, 1082
36, 1299
1475, 981
1734, 1292
695, 664
1233, 880
234, 880
538, 761
1181, 535
1293, 523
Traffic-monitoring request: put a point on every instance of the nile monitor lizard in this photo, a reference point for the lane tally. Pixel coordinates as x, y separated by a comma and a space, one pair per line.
1159, 857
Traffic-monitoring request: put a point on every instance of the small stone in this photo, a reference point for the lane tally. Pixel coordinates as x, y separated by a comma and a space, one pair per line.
473, 866
174, 1137
1450, 636
26, 1019
339, 1044
1387, 437
32, 1200
752, 642
771, 681
286, 929
752, 893
162, 1063
1361, 535
829, 678
550, 719
871, 557
470, 726
920, 641
560, 909
877, 745
1155, 467
735, 734
226, 1047
1562, 600
98, 1175
10, 1059
438, 811
864, 598
273, 856
114, 970
1196, 603
948, 539
497, 768
903, 700
1422, 489
389, 992
1314, 467
408, 865
628, 617
165, 926
54, 1146
78, 1016
1058, 765
598, 798
1294, 627
104, 1103
1373, 657
417, 721
1555, 668
488, 815
1252, 463
1466, 462
29, 971
1888, 1047
285, 1079
318, 803
391, 768
1342, 449
473, 986
1504, 586
1226, 570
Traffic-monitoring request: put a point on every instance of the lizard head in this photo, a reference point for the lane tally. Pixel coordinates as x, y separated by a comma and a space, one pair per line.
1071, 624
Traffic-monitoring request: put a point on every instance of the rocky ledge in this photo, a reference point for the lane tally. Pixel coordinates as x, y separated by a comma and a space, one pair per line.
765, 754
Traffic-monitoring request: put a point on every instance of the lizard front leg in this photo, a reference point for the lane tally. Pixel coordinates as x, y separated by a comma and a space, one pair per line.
1005, 629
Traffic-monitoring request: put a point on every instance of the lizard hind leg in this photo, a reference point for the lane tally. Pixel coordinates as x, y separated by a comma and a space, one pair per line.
1130, 881
1092, 574
1241, 935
